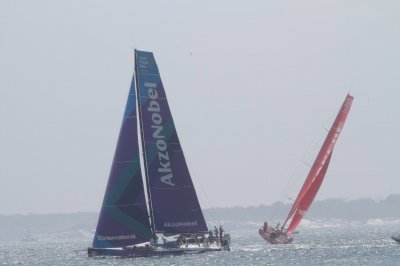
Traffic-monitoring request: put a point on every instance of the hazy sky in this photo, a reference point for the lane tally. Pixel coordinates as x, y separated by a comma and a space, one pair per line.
252, 86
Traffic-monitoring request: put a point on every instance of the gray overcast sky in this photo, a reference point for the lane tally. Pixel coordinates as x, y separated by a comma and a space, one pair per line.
251, 85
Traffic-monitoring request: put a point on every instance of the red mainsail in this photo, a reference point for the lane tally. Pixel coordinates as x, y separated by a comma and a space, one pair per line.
317, 173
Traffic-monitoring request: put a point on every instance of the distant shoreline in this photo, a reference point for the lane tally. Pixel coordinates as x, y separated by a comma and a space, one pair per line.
360, 209
14, 227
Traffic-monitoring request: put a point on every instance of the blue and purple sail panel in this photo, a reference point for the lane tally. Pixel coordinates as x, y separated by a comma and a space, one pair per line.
124, 217
176, 208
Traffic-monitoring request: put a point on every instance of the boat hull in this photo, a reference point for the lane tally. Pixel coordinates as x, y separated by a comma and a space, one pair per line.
272, 237
150, 251
396, 238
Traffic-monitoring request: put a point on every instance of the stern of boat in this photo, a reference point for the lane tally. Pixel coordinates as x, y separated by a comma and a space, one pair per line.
396, 238
226, 242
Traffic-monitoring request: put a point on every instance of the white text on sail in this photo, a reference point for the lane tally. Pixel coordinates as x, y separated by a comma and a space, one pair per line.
161, 144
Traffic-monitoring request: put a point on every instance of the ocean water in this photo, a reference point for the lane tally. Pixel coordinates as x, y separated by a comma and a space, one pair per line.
318, 243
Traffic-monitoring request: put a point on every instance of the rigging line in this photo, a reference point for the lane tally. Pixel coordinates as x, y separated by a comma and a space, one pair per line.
277, 211
312, 145
319, 137
316, 146
208, 202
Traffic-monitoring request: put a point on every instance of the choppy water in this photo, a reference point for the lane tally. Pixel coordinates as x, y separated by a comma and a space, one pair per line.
317, 244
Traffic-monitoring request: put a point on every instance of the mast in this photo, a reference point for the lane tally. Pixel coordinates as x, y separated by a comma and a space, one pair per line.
317, 172
146, 174
124, 217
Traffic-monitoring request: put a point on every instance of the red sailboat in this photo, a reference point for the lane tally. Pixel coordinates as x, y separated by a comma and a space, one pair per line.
280, 235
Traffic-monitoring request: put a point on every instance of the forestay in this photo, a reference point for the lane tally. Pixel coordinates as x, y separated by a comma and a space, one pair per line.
318, 170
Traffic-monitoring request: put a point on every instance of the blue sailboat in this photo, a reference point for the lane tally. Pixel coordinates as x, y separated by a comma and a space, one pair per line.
162, 214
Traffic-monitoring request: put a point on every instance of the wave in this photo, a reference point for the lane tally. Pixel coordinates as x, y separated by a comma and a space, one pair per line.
342, 223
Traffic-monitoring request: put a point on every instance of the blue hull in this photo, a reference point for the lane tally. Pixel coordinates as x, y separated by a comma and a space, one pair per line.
147, 251
396, 238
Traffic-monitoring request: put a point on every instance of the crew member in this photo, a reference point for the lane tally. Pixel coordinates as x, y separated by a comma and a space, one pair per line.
265, 226
216, 231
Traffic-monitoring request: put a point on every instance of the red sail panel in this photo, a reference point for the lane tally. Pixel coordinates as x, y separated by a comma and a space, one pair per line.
308, 198
323, 154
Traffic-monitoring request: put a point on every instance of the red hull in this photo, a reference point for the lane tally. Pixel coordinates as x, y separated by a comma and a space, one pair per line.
271, 236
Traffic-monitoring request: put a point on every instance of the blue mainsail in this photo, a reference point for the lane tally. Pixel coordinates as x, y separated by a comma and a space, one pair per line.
175, 206
124, 217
